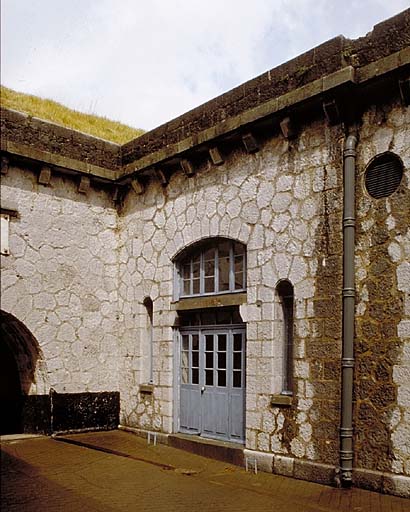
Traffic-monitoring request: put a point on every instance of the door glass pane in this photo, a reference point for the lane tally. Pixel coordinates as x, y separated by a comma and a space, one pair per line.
209, 377
184, 359
209, 360
184, 375
222, 342
195, 359
237, 342
236, 379
195, 342
185, 342
195, 376
222, 378
237, 360
209, 342
222, 360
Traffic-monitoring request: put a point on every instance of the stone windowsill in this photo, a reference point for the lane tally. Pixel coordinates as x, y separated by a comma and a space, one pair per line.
147, 389
281, 400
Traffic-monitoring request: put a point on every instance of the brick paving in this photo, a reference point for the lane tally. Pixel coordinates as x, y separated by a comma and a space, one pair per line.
42, 474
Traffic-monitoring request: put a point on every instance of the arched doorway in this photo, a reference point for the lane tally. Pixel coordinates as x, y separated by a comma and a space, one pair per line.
10, 392
19, 354
210, 285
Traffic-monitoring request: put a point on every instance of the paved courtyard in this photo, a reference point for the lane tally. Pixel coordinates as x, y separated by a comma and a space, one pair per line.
118, 471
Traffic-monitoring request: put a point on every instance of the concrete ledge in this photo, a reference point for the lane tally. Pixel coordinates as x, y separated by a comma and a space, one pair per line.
58, 160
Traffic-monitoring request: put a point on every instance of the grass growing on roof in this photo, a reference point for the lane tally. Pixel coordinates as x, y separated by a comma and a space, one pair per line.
50, 110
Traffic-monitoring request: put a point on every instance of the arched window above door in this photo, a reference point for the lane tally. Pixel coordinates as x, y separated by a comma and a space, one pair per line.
211, 267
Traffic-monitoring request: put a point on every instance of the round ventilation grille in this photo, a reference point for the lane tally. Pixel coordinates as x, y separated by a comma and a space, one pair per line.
383, 175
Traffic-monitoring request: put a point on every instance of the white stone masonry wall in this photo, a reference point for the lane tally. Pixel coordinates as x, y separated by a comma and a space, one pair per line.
272, 201
61, 280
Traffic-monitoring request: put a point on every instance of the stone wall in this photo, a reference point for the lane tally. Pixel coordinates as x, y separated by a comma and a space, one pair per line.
45, 136
382, 378
60, 280
284, 203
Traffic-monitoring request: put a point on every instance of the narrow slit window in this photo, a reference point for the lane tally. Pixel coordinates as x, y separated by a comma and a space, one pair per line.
149, 308
285, 296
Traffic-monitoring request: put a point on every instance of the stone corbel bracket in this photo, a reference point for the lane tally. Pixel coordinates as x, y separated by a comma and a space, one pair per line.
137, 186
162, 177
250, 143
215, 155
84, 185
187, 167
44, 177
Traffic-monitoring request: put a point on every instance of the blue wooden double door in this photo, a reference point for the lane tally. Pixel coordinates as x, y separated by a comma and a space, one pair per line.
212, 382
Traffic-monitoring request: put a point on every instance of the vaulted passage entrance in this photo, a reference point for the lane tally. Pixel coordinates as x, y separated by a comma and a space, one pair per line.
19, 354
10, 393
212, 374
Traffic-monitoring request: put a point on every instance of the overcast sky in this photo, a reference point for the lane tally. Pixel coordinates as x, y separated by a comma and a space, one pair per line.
143, 62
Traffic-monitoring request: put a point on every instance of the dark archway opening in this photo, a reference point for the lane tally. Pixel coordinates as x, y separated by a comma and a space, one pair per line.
19, 352
10, 393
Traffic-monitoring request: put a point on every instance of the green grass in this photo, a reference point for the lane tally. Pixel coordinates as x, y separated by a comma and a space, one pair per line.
55, 112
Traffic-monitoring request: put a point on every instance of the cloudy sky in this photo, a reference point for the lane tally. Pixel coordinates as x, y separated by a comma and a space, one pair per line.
145, 62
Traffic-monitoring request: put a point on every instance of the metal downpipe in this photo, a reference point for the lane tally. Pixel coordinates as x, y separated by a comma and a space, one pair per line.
349, 228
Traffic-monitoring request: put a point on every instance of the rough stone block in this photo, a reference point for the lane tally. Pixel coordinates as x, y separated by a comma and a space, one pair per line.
315, 472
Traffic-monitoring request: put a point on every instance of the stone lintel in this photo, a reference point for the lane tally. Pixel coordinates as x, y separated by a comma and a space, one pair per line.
84, 185
44, 177
229, 299
216, 156
250, 143
187, 167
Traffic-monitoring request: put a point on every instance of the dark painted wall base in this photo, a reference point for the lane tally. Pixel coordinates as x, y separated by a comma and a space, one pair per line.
62, 412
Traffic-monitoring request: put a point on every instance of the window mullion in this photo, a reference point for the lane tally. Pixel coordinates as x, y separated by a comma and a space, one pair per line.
216, 271
191, 277
231, 269
202, 273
